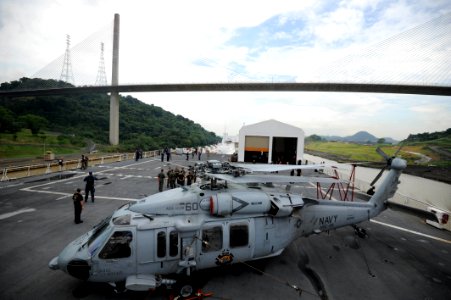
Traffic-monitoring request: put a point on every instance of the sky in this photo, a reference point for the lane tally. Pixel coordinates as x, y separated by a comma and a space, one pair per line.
180, 41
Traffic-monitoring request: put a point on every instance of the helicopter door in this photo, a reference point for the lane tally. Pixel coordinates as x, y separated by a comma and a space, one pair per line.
167, 243
211, 245
240, 242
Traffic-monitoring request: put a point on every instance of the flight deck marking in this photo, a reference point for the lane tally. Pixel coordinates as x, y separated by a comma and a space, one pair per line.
31, 188
412, 231
68, 194
17, 212
11, 185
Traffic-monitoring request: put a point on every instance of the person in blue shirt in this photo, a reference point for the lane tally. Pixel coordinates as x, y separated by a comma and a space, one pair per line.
89, 188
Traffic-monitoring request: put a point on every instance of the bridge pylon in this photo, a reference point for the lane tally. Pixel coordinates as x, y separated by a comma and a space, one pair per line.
114, 99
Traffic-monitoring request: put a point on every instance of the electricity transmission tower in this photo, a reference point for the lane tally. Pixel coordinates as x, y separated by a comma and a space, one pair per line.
66, 73
101, 75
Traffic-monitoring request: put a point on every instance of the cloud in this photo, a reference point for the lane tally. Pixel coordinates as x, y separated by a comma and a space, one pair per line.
431, 117
234, 41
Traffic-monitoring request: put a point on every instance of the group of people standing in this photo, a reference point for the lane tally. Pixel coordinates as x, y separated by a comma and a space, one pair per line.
166, 151
138, 154
194, 152
173, 177
176, 177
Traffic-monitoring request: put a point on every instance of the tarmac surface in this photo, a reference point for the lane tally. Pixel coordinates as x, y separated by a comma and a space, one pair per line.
403, 258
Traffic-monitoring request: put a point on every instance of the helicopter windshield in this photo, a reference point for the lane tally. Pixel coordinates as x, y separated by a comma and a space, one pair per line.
97, 231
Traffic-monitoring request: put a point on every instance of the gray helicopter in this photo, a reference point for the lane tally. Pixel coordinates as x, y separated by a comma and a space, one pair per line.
229, 217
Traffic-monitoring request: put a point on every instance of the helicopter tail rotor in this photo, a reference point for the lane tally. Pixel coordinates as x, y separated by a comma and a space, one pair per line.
388, 159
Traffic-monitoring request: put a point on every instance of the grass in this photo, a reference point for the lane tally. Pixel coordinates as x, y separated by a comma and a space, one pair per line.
350, 151
358, 152
26, 145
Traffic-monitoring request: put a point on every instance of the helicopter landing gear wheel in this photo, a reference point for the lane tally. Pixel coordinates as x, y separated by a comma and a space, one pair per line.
185, 288
360, 232
119, 287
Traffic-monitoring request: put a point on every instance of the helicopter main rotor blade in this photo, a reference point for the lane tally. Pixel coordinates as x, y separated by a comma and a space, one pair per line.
274, 179
274, 168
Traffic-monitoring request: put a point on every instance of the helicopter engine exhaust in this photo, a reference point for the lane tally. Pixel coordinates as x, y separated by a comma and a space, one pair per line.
224, 204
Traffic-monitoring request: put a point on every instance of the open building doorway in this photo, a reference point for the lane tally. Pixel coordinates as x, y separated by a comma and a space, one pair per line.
256, 149
284, 150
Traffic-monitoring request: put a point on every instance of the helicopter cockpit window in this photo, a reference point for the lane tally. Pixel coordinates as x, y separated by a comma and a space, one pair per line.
161, 244
239, 235
212, 239
118, 246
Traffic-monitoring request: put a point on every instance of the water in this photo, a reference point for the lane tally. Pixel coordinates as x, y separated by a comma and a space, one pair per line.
413, 191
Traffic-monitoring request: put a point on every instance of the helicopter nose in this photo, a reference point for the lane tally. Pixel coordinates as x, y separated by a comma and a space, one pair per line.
53, 264
79, 269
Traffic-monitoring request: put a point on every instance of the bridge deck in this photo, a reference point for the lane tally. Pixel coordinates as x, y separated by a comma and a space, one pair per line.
241, 87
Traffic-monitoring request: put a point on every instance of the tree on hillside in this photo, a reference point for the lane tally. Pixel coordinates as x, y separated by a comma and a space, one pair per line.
8, 121
314, 138
86, 115
33, 122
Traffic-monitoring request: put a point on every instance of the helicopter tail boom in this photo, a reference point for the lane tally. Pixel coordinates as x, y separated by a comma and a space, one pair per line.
388, 187
321, 215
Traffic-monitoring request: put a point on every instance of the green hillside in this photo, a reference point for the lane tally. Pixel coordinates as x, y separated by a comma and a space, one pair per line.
82, 117
428, 154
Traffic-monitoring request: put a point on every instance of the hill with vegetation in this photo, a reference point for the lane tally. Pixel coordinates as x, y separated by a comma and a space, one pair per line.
361, 137
84, 117
427, 154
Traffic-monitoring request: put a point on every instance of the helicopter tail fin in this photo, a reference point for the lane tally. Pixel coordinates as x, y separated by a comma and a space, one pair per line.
388, 187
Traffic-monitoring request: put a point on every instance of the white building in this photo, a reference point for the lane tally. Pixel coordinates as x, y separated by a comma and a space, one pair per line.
271, 142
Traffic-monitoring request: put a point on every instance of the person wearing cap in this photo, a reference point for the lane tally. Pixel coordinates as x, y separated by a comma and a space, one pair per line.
78, 206
89, 188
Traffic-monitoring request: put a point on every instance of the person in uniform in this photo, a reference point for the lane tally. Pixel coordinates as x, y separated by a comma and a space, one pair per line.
299, 171
78, 205
181, 177
169, 174
89, 188
85, 162
161, 178
172, 178
189, 178
82, 161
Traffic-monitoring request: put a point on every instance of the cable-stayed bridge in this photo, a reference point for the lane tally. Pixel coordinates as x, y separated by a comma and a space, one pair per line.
416, 61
